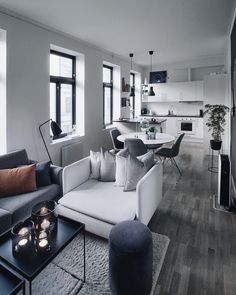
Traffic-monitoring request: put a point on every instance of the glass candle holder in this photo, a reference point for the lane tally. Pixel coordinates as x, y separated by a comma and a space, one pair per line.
42, 241
22, 237
44, 216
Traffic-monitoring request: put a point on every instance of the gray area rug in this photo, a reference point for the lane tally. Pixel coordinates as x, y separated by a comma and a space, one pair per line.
63, 275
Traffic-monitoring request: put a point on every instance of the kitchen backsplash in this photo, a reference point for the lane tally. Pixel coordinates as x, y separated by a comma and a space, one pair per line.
178, 108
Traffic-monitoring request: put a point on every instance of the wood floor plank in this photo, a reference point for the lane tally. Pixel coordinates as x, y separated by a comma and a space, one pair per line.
201, 258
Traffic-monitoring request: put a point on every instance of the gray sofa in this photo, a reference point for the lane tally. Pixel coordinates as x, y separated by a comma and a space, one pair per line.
16, 208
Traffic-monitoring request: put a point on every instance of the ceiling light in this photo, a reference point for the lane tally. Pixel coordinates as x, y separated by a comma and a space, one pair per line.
151, 92
132, 91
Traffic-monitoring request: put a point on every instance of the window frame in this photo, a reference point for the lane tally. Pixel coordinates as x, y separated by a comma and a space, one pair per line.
133, 85
58, 80
110, 86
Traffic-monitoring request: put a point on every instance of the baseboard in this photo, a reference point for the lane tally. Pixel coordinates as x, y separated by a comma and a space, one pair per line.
233, 192
217, 207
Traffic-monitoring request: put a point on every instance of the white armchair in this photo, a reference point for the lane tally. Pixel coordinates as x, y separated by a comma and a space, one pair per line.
100, 205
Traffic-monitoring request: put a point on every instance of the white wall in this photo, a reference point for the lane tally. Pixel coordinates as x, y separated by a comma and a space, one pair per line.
28, 48
3, 141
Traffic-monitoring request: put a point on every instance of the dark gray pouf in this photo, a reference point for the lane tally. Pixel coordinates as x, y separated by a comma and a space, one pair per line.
130, 259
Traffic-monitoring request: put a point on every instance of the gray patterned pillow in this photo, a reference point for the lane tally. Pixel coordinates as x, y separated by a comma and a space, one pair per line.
135, 170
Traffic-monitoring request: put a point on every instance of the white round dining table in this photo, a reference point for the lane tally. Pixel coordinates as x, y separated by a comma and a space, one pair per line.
161, 138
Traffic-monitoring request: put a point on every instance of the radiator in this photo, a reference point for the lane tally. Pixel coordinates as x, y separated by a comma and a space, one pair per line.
71, 153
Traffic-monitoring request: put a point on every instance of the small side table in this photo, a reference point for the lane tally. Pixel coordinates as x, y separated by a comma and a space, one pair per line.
10, 283
212, 167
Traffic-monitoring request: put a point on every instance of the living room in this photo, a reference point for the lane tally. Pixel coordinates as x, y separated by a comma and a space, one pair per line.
195, 51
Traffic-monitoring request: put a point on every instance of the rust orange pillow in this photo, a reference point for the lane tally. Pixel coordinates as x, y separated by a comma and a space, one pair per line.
17, 180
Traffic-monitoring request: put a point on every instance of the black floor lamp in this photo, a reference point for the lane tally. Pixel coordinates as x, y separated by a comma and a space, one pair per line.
56, 130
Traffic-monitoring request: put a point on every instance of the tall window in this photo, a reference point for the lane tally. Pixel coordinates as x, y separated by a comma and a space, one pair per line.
107, 95
62, 89
132, 98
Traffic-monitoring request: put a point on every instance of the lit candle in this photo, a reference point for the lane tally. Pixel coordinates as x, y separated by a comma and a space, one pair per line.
23, 231
22, 242
42, 235
43, 210
45, 224
43, 243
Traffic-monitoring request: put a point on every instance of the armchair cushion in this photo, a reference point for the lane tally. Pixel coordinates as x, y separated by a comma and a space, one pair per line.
108, 166
101, 200
121, 163
135, 170
95, 160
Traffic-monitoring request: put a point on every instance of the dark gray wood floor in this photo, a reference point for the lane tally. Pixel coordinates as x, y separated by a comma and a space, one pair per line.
201, 258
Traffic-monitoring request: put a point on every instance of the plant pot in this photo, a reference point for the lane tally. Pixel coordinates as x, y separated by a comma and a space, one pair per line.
215, 144
152, 135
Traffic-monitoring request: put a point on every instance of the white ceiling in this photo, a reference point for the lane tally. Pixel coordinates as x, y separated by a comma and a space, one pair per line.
177, 30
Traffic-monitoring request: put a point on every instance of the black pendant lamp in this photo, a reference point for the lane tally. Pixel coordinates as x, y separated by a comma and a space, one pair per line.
132, 90
151, 92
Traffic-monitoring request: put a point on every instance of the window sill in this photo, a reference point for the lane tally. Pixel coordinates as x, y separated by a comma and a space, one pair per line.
69, 137
108, 127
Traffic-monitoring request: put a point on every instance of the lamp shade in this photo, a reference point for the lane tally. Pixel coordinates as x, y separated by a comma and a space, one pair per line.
56, 129
151, 91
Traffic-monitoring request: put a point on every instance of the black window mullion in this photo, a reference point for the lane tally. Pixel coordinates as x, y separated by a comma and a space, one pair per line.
73, 104
58, 103
133, 86
111, 104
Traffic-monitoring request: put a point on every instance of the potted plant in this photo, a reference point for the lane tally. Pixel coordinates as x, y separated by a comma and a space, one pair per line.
216, 123
152, 132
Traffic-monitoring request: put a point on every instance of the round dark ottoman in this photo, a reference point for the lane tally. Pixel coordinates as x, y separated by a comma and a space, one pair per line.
130, 259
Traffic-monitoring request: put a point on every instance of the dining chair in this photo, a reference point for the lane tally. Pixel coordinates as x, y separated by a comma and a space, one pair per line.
117, 145
135, 146
171, 153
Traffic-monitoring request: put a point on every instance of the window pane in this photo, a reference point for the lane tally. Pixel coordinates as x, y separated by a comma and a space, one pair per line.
107, 105
60, 66
66, 107
106, 75
53, 101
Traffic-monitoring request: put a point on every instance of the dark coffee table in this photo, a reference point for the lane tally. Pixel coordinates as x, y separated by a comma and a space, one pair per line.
10, 284
33, 263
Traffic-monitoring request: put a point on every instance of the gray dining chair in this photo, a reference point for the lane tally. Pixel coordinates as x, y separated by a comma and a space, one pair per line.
171, 153
117, 145
135, 146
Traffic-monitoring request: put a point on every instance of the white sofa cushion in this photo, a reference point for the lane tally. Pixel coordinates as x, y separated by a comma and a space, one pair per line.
102, 200
95, 158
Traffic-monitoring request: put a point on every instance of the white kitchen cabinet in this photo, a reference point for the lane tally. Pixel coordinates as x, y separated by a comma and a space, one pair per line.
199, 128
191, 91
171, 126
199, 90
177, 91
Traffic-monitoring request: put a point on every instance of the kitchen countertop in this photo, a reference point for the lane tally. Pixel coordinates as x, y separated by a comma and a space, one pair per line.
183, 116
137, 121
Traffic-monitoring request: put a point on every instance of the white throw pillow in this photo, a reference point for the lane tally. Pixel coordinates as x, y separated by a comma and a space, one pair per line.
135, 170
95, 160
121, 162
108, 166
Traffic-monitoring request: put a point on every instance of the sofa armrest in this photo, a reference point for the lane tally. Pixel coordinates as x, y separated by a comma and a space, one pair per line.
149, 193
75, 174
56, 174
